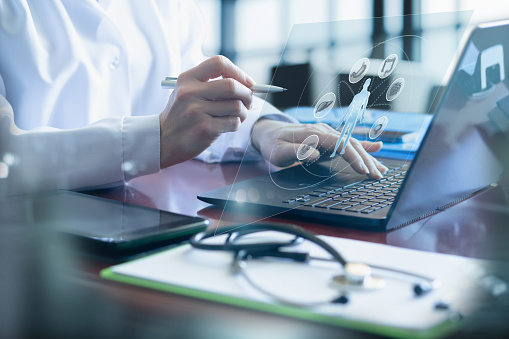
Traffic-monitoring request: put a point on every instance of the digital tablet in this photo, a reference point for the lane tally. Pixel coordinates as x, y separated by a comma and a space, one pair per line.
100, 225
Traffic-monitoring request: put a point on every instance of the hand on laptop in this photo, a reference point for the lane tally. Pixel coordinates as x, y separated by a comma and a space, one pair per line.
279, 141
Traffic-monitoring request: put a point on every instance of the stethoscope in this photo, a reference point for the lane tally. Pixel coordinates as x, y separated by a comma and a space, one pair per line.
355, 276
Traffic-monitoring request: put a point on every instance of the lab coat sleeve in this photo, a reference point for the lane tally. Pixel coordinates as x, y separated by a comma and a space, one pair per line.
106, 153
191, 34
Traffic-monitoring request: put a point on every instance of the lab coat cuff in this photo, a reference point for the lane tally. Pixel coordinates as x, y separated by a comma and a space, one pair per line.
280, 117
141, 146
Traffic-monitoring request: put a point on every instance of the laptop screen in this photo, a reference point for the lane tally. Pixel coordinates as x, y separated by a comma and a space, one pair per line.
462, 150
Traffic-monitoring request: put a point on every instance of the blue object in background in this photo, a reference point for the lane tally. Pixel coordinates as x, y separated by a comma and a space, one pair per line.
398, 121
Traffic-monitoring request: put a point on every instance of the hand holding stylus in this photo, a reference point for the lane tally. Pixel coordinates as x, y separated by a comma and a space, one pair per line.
200, 110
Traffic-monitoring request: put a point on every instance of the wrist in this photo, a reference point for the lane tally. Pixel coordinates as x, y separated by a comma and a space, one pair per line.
260, 129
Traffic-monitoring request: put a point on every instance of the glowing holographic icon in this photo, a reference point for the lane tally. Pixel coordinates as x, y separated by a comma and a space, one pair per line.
359, 70
324, 105
388, 66
354, 114
307, 147
395, 89
378, 127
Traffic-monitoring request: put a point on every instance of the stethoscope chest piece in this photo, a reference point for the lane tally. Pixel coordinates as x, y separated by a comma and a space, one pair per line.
358, 276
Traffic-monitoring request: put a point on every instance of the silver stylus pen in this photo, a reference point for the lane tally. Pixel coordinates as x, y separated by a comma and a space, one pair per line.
170, 82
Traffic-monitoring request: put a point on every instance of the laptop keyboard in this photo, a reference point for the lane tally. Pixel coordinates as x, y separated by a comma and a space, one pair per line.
365, 197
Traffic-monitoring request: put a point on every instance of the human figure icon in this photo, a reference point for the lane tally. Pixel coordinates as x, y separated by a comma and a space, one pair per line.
354, 115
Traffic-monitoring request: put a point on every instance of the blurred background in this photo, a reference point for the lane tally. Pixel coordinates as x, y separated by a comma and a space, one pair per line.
255, 33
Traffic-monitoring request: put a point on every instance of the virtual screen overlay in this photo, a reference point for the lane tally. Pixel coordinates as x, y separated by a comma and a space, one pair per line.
363, 85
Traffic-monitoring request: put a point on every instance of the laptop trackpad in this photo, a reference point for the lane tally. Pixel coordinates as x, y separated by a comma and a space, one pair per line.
301, 176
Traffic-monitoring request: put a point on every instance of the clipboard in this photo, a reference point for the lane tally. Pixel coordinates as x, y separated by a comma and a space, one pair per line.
182, 270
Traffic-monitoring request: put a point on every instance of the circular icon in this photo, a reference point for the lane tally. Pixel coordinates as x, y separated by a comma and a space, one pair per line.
395, 89
378, 127
359, 70
307, 147
388, 66
324, 105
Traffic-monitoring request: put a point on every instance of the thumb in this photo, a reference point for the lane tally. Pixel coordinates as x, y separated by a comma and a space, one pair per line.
286, 153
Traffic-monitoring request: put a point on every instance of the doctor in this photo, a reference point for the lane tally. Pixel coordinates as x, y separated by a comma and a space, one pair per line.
81, 104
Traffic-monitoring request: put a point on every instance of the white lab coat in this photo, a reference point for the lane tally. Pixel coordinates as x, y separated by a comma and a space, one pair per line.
80, 90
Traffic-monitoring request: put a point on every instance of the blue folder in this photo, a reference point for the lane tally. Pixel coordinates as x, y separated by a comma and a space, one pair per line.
398, 121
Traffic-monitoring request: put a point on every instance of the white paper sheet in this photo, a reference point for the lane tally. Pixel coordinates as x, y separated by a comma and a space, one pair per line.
394, 306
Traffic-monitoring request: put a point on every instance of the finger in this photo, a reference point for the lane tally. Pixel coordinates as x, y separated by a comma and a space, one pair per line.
353, 157
327, 138
373, 165
218, 66
368, 160
373, 147
314, 156
226, 89
330, 138
222, 108
219, 125
285, 153
381, 167
326, 128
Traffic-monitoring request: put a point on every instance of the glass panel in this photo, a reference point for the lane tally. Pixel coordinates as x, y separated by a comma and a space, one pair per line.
257, 25
367, 77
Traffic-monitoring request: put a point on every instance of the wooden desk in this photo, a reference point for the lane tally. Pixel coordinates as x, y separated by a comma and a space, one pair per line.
47, 290
475, 228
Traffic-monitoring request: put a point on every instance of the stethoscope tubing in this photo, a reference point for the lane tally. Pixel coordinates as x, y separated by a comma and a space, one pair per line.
197, 240
243, 252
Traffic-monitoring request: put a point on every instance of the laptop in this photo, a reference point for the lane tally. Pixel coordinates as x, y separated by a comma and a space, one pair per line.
456, 159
